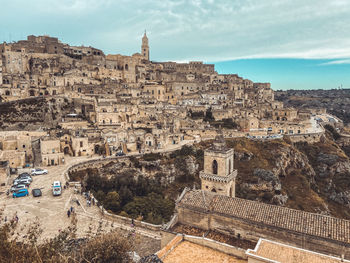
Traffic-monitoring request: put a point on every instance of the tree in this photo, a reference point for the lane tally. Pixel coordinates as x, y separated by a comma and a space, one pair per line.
125, 195
100, 196
112, 202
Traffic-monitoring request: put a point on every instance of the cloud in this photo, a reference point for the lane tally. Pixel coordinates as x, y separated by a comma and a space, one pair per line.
191, 30
336, 62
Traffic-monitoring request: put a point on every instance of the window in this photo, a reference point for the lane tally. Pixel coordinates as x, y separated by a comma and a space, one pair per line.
215, 167
81, 144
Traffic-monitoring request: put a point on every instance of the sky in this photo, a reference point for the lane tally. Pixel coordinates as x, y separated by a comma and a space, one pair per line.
290, 43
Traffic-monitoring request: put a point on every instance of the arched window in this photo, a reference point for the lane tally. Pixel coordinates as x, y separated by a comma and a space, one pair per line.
215, 167
126, 67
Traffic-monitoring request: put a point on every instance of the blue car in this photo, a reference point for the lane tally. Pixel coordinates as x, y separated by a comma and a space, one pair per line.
20, 193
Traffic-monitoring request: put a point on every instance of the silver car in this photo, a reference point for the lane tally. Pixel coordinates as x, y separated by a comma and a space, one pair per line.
20, 181
38, 171
17, 187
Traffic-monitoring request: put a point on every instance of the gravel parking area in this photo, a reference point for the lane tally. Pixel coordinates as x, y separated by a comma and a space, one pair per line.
52, 210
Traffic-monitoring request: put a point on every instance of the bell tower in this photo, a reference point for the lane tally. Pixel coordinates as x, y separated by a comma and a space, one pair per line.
218, 175
145, 47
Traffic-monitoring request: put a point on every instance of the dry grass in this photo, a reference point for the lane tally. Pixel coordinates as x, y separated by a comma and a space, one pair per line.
21, 245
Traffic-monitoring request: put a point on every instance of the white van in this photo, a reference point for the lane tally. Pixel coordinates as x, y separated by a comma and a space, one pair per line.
56, 188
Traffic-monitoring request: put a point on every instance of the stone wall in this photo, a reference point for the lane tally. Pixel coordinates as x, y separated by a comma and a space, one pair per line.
309, 138
253, 231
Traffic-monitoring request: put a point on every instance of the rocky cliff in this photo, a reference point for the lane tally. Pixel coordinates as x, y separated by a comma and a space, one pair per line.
33, 113
311, 177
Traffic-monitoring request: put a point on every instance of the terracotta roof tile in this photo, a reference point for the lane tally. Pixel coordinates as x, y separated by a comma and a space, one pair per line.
270, 215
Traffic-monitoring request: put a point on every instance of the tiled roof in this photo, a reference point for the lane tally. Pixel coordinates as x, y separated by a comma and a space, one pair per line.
197, 199
278, 252
271, 215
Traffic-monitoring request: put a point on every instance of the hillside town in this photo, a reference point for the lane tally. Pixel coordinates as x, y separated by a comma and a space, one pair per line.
69, 110
93, 103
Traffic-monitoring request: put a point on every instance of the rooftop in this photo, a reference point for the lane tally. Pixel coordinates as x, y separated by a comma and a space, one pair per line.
312, 224
188, 252
278, 252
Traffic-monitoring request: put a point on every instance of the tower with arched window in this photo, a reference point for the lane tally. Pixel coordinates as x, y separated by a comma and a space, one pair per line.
145, 47
219, 175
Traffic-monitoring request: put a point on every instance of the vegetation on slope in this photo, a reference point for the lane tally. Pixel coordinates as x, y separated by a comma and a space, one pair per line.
309, 177
64, 248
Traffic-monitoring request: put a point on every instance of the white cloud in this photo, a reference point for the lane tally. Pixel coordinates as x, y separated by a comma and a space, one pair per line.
336, 62
193, 29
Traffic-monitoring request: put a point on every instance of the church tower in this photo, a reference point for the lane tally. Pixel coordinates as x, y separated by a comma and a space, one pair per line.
218, 175
145, 47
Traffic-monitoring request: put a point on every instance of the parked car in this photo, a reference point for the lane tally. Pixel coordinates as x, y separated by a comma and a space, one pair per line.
20, 193
21, 181
56, 188
25, 177
17, 187
120, 153
38, 171
36, 192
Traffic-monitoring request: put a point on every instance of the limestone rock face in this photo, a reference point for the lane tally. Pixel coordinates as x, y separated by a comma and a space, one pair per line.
280, 199
288, 157
341, 198
243, 156
191, 165
335, 170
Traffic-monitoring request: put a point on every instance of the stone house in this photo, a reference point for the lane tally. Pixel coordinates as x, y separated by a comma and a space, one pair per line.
81, 146
51, 154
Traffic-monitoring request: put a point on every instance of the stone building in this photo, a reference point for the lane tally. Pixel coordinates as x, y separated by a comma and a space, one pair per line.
50, 150
219, 175
252, 220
